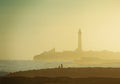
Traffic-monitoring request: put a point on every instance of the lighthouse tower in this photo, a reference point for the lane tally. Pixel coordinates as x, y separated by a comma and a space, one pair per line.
79, 49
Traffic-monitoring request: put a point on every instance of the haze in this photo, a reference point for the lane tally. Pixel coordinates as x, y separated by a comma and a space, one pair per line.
29, 27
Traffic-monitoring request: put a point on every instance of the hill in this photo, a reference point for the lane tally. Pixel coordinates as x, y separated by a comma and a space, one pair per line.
70, 72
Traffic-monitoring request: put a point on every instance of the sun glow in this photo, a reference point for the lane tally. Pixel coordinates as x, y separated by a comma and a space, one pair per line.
48, 24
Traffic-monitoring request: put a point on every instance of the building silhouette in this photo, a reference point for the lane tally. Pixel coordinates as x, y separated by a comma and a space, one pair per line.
78, 56
79, 41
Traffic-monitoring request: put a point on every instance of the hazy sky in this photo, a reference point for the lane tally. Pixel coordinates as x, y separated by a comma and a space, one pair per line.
29, 27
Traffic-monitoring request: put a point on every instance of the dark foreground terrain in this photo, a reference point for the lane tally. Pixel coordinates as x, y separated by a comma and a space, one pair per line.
58, 80
70, 72
64, 76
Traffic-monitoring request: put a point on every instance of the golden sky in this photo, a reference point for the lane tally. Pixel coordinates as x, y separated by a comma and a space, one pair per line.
29, 27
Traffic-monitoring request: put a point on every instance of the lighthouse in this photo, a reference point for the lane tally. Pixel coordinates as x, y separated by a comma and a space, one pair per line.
79, 49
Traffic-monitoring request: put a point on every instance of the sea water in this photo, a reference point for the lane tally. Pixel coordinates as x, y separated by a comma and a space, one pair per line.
23, 65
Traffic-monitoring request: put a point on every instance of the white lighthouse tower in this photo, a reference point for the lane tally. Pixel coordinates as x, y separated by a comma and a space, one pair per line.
79, 49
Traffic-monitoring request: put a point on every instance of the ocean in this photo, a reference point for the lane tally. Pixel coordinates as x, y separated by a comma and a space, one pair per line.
23, 65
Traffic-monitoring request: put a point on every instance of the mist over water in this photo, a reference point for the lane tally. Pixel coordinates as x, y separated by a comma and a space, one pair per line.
23, 65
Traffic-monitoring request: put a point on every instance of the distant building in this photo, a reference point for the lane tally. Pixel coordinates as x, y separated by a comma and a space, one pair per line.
79, 41
78, 56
